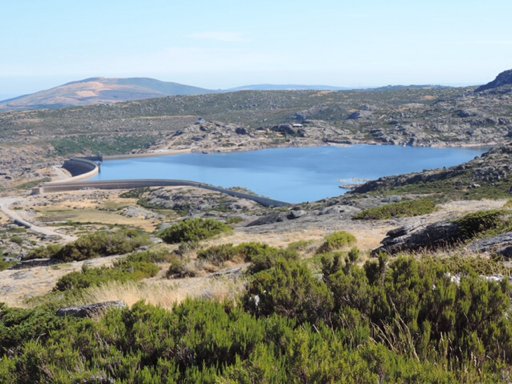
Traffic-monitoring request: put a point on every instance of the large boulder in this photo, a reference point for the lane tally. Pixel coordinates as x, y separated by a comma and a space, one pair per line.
410, 238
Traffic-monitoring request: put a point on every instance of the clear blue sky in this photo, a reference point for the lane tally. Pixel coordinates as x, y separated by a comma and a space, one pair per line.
225, 43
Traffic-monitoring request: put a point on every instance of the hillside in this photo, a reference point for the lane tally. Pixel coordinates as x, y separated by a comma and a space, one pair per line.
98, 90
487, 176
417, 117
502, 80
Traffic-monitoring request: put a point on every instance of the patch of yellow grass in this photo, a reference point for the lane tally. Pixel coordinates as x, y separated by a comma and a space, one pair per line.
164, 293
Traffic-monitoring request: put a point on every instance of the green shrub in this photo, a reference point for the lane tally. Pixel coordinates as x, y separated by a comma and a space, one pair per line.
479, 222
5, 265
193, 230
151, 256
122, 270
301, 245
16, 239
218, 254
289, 289
336, 241
135, 193
44, 252
234, 220
395, 210
96, 245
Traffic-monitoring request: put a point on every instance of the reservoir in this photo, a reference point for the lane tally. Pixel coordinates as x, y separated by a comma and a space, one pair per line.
294, 175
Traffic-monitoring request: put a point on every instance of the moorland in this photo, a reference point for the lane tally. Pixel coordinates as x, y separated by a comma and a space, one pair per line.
404, 279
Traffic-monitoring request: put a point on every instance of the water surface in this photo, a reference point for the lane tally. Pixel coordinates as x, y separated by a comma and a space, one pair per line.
290, 174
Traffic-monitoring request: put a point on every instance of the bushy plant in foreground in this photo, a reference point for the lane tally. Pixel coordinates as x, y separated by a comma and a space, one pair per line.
395, 210
193, 230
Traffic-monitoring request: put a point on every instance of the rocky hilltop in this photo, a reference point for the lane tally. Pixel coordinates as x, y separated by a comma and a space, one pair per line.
503, 79
486, 176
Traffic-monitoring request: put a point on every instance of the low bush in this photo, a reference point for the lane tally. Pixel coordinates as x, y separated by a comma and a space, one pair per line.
193, 230
179, 268
5, 265
16, 239
481, 222
135, 193
123, 270
337, 241
218, 254
151, 256
395, 210
92, 246
261, 256
234, 220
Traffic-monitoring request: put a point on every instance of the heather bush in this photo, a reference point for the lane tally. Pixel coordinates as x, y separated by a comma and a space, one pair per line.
193, 230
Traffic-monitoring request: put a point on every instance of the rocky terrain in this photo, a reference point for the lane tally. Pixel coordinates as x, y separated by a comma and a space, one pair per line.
485, 176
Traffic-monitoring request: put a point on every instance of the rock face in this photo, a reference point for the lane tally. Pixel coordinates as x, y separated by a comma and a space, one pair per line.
444, 233
501, 245
91, 310
410, 238
504, 78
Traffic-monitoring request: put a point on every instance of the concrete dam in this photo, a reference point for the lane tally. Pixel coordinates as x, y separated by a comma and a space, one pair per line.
82, 169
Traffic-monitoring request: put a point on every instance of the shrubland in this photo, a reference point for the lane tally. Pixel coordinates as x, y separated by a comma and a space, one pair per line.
402, 320
193, 230
92, 246
396, 210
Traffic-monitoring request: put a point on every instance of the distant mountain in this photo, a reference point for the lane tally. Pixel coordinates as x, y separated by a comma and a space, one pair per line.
504, 78
389, 88
99, 90
287, 87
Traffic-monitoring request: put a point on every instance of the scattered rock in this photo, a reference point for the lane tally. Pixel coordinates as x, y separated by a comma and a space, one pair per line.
91, 310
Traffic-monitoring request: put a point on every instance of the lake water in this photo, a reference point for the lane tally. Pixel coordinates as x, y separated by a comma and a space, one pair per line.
290, 174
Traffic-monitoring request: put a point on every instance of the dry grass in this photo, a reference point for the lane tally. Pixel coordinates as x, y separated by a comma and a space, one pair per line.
162, 293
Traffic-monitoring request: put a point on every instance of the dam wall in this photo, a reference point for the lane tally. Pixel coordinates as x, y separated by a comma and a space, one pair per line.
131, 184
80, 169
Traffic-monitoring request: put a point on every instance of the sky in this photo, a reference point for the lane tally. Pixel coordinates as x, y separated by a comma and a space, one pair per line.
222, 44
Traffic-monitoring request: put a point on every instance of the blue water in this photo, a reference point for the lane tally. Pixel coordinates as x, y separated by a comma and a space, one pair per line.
290, 174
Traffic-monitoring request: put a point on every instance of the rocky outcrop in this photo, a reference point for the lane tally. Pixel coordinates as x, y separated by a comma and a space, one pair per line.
36, 263
416, 236
412, 237
491, 168
504, 78
501, 245
91, 310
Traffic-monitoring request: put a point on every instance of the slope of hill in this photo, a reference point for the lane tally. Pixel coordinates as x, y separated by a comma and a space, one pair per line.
503, 79
487, 176
98, 90
287, 87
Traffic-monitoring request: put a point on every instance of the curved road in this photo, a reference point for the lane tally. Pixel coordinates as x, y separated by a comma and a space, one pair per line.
4, 207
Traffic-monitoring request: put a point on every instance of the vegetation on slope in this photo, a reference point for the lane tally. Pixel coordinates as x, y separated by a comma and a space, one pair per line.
395, 210
193, 230
400, 321
92, 246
